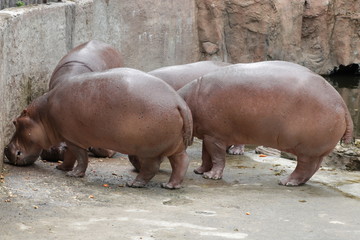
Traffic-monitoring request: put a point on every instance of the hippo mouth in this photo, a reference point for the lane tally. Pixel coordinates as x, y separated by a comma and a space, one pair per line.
17, 159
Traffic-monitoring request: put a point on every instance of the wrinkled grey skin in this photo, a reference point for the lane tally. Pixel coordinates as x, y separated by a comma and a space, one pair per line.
92, 56
282, 105
124, 119
178, 76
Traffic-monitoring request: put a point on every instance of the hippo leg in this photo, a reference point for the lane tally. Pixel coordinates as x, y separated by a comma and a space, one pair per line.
69, 161
101, 152
236, 150
179, 164
134, 160
206, 163
149, 167
82, 161
305, 169
216, 150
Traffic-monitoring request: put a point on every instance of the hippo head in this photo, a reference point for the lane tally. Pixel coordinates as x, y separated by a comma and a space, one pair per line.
23, 148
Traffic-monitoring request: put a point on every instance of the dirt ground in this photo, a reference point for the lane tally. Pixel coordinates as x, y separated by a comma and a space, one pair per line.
40, 202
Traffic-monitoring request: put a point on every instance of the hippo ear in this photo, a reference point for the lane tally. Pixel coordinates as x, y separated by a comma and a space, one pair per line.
24, 113
14, 122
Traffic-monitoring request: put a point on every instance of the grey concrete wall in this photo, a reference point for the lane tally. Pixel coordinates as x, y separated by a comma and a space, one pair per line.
150, 34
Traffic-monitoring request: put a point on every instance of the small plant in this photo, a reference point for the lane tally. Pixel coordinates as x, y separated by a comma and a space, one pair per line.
20, 3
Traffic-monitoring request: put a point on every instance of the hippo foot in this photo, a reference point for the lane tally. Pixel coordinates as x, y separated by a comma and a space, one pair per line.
200, 170
215, 175
235, 150
75, 173
63, 168
171, 186
136, 184
291, 182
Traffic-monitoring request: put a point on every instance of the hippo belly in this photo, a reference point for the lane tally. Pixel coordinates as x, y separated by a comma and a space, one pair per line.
276, 104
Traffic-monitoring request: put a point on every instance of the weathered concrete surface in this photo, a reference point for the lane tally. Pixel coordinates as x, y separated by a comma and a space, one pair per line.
32, 41
40, 202
150, 34
319, 34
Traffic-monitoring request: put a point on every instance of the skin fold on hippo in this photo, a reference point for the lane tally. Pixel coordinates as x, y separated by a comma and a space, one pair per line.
151, 126
178, 76
92, 56
281, 105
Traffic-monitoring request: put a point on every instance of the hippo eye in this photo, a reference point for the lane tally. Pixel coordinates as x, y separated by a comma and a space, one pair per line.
18, 153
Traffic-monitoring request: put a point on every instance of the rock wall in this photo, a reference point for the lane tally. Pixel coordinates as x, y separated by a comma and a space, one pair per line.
33, 39
319, 34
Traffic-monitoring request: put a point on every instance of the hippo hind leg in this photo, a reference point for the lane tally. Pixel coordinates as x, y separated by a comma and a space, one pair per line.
305, 169
134, 160
179, 164
149, 167
216, 150
206, 163
236, 150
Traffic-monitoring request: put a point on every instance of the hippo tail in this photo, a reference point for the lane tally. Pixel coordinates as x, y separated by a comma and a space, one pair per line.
188, 124
348, 135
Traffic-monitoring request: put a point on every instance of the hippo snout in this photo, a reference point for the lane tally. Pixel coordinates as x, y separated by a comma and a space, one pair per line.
16, 157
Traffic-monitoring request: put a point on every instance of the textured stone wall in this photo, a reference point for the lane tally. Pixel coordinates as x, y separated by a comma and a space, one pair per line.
150, 34
319, 34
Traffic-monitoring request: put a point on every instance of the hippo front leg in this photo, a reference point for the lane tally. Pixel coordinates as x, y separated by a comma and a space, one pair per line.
68, 162
305, 169
179, 165
216, 150
82, 161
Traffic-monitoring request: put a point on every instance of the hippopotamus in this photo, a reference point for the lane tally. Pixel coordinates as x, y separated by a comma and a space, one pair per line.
108, 110
274, 103
178, 76
92, 56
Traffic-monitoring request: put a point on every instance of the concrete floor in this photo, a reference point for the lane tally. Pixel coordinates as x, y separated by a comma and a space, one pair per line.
40, 202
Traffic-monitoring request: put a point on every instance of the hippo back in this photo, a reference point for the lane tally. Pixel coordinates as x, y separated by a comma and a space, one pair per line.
92, 56
179, 75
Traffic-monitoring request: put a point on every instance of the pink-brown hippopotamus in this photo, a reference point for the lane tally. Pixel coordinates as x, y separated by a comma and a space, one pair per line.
92, 56
273, 103
108, 110
178, 76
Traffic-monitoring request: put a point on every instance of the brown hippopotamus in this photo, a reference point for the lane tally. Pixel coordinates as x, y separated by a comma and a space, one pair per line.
179, 75
92, 56
277, 104
108, 110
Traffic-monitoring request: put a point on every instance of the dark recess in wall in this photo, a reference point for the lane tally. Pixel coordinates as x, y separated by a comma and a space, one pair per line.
352, 69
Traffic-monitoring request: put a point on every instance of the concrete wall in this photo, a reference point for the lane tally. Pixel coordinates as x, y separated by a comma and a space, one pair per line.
150, 34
